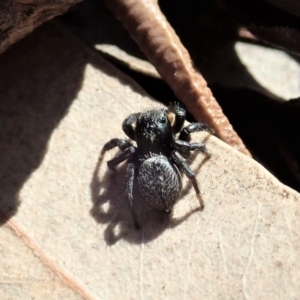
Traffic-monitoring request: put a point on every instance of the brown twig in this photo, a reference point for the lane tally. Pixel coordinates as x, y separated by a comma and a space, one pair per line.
158, 40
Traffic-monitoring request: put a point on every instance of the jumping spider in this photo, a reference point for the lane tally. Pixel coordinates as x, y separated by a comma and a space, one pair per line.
159, 158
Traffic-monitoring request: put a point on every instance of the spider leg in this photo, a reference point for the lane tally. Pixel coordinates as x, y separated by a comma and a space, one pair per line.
121, 143
185, 134
128, 151
129, 192
180, 115
184, 147
183, 166
123, 156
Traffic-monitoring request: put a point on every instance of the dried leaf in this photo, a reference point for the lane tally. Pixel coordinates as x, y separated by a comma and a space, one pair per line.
72, 215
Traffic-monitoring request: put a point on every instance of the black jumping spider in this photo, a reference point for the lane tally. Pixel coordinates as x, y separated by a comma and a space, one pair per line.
159, 158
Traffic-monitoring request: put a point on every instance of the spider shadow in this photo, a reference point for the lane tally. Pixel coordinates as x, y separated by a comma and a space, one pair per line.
111, 208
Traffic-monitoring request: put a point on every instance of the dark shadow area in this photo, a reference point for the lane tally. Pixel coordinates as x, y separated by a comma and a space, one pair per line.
268, 127
110, 207
40, 77
277, 24
92, 22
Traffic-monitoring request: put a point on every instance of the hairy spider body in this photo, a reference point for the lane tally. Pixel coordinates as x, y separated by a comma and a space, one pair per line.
159, 158
160, 182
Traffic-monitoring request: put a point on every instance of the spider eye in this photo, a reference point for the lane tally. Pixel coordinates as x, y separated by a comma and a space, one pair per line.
162, 120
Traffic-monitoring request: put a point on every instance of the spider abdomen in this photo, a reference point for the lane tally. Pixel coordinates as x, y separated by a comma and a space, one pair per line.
160, 182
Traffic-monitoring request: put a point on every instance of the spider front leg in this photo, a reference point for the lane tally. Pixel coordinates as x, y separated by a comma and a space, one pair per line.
128, 126
185, 134
184, 167
176, 116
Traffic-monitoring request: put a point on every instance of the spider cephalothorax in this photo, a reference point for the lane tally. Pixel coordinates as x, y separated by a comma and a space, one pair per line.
158, 158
